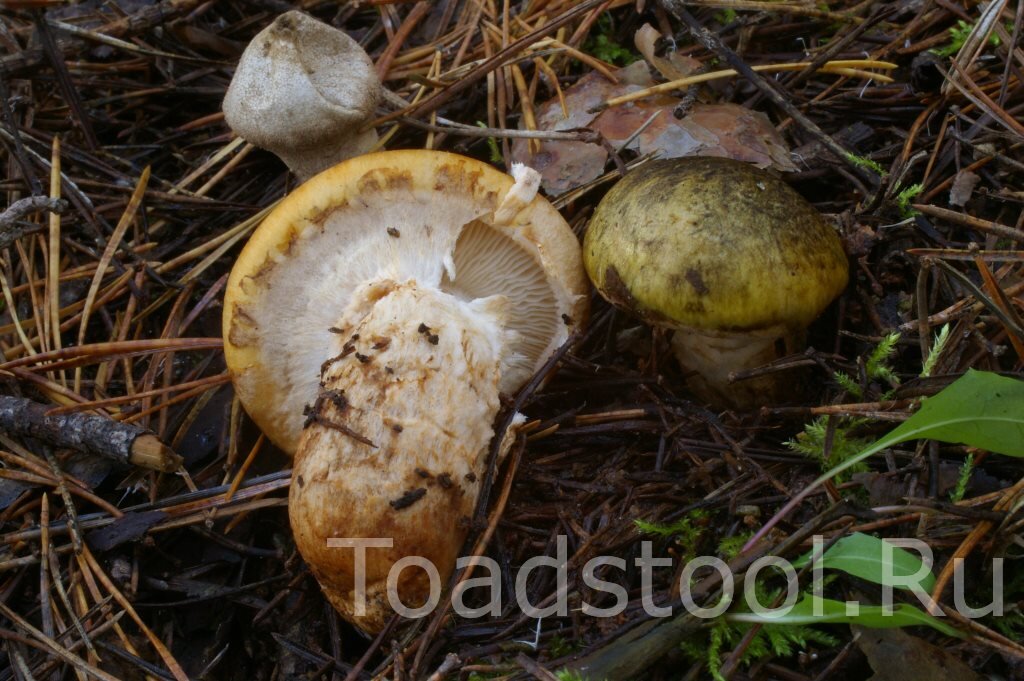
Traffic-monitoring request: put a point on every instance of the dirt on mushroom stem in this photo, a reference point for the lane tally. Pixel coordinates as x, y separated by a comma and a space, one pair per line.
394, 454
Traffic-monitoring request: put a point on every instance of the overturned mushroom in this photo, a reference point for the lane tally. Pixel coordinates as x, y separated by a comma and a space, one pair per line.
729, 256
304, 90
370, 324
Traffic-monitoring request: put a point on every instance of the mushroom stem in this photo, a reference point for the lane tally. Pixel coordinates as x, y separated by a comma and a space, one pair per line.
307, 161
712, 356
395, 444
523, 191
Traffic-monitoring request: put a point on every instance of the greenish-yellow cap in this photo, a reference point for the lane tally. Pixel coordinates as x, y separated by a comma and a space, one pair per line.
713, 244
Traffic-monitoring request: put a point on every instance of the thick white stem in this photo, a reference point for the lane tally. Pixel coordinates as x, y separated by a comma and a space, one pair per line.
306, 162
712, 357
396, 444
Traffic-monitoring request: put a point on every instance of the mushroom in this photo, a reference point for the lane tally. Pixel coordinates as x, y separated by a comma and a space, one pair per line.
304, 90
727, 255
371, 324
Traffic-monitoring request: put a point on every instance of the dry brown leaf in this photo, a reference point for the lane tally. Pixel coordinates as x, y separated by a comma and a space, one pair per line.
963, 186
893, 652
674, 66
567, 165
727, 130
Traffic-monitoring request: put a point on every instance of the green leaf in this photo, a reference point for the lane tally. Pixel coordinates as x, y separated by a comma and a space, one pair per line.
603, 46
569, 675
730, 547
811, 442
877, 363
834, 612
848, 384
980, 409
865, 162
905, 196
962, 479
492, 146
938, 345
686, 527
958, 36
861, 554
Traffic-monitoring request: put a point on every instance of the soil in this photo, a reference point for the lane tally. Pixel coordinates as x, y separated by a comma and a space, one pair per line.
112, 308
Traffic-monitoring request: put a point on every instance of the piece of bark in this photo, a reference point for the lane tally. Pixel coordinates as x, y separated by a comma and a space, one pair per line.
86, 433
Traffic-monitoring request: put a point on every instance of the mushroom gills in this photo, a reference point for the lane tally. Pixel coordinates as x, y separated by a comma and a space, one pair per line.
487, 263
395, 296
398, 437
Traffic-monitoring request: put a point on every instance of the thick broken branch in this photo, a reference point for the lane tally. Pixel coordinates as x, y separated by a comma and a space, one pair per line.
87, 433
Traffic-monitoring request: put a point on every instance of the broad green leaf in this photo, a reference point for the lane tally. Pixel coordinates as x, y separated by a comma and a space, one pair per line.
979, 409
834, 612
861, 556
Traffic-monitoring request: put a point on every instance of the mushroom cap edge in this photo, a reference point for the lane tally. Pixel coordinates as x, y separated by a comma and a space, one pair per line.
538, 227
713, 244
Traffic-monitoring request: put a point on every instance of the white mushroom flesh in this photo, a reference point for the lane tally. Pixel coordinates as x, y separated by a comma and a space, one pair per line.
371, 325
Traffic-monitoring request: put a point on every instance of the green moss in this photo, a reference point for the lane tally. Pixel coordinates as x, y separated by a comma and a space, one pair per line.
604, 47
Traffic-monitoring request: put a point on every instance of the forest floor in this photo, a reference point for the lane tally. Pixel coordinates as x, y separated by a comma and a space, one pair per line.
112, 307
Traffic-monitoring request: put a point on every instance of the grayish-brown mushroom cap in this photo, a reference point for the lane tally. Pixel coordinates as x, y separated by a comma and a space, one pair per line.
304, 90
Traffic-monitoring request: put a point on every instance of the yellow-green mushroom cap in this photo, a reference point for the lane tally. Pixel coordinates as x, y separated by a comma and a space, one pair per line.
715, 245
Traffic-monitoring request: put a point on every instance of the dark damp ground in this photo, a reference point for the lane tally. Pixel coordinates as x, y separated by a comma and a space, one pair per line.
141, 575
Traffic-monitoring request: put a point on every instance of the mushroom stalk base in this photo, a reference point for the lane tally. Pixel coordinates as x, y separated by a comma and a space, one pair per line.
712, 357
306, 162
395, 447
